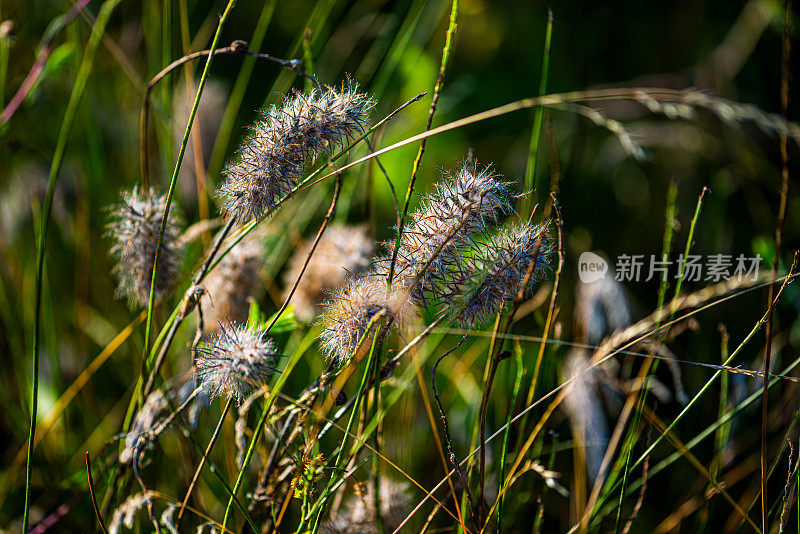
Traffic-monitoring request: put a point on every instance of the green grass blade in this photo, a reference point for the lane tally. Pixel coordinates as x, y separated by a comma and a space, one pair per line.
273, 394
171, 191
72, 106
538, 118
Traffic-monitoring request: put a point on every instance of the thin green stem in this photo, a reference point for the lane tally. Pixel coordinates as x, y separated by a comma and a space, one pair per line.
631, 438
237, 94
785, 47
376, 460
448, 40
66, 125
260, 427
697, 396
729, 415
504, 450
538, 117
171, 191
206, 453
337, 465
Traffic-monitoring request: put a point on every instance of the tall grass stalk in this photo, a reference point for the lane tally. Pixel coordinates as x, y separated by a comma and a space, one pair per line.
538, 118
171, 191
630, 442
61, 145
520, 373
759, 324
239, 88
648, 369
273, 393
448, 41
710, 430
690, 300
203, 459
785, 48
319, 507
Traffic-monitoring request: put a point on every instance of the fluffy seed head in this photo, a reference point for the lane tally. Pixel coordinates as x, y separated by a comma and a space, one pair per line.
342, 250
498, 270
233, 282
348, 313
235, 361
134, 227
461, 206
272, 157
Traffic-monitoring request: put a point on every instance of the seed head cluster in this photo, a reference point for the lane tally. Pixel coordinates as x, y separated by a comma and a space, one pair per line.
271, 159
496, 274
348, 314
443, 260
235, 361
431, 247
342, 250
134, 228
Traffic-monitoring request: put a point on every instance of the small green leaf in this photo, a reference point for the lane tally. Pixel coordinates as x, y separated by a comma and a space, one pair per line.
257, 319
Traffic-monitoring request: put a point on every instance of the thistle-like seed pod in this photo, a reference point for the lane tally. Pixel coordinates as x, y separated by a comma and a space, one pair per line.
462, 205
359, 517
134, 227
499, 269
235, 361
233, 282
342, 250
348, 314
273, 155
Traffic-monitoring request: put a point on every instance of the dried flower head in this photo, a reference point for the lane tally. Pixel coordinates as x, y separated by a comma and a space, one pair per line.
358, 515
342, 250
430, 253
233, 282
236, 361
134, 227
500, 267
274, 153
348, 314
